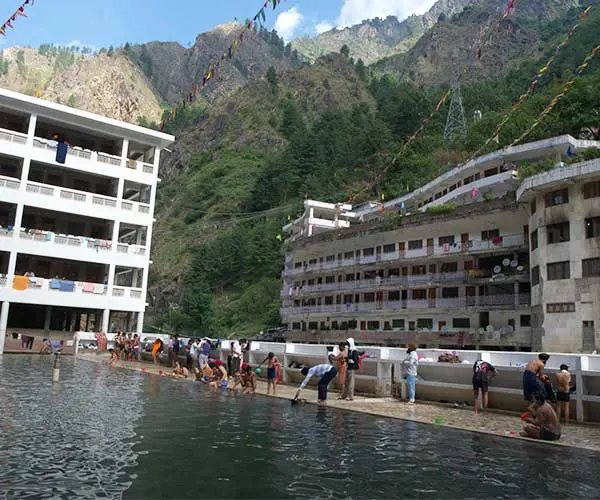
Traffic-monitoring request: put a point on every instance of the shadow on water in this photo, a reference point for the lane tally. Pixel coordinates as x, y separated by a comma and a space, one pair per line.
105, 432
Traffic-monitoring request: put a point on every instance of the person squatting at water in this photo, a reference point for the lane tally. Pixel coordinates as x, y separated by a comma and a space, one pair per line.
545, 424
327, 374
180, 371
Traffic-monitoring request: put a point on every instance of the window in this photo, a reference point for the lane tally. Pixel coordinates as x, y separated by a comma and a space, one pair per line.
489, 234
535, 275
313, 325
389, 248
367, 252
525, 320
534, 240
490, 172
297, 265
559, 197
334, 325
330, 258
449, 267
372, 325
419, 270
349, 255
329, 279
350, 277
461, 323
296, 326
415, 244
558, 271
533, 207
425, 323
557, 233
591, 267
312, 262
445, 240
419, 294
591, 190
449, 293
352, 324
398, 324
468, 180
563, 307
369, 297
329, 300
394, 296
592, 227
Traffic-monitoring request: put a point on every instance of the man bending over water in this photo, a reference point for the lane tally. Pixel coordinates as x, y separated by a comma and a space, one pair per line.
545, 425
533, 376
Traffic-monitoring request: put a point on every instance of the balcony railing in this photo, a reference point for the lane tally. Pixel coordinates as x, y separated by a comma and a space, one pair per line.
98, 245
92, 199
85, 154
12, 136
467, 247
9, 182
416, 304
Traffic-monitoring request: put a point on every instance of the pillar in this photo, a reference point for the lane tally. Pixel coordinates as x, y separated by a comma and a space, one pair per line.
140, 323
3, 322
516, 291
47, 316
105, 319
124, 152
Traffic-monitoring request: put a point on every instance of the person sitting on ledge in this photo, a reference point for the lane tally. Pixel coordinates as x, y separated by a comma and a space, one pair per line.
545, 425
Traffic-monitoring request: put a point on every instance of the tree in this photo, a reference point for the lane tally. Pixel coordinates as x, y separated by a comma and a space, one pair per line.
361, 70
345, 51
273, 79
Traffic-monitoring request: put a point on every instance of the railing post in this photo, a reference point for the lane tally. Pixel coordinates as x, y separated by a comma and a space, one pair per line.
582, 365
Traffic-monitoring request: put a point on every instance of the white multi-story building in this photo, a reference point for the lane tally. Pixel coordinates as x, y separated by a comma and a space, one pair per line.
75, 230
450, 264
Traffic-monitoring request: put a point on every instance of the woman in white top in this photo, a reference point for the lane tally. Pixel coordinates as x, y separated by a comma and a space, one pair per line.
409, 365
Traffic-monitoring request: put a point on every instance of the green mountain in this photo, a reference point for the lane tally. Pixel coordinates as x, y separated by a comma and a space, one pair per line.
243, 165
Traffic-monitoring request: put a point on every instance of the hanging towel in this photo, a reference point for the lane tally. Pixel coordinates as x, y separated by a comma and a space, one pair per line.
61, 152
21, 282
39, 282
99, 289
132, 164
89, 287
55, 284
66, 286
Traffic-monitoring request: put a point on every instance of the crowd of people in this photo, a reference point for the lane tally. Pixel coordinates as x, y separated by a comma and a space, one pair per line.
126, 347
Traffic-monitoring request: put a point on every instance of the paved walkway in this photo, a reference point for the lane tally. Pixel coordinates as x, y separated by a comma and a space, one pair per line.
499, 424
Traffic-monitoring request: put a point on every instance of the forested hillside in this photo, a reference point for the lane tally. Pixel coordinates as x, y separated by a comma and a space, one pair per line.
324, 131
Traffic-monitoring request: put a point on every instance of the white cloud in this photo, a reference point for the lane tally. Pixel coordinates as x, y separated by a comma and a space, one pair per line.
287, 22
323, 26
355, 11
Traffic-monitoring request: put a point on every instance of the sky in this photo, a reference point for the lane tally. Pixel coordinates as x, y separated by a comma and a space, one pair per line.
101, 23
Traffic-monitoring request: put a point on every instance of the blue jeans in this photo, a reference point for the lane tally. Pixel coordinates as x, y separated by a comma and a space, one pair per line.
410, 380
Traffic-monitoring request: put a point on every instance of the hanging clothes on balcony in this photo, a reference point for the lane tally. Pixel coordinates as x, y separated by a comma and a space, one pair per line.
21, 282
61, 152
55, 284
67, 286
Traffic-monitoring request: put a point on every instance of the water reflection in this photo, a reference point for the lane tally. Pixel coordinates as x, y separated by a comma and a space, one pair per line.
110, 433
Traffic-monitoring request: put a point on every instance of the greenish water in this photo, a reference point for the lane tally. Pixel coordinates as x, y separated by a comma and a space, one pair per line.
110, 433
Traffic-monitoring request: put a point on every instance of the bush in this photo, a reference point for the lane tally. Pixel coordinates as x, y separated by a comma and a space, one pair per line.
444, 208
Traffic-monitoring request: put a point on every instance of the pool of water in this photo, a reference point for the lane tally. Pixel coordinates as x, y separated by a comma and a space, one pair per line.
107, 432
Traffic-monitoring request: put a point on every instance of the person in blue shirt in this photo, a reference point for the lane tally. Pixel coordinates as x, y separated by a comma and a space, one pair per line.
327, 374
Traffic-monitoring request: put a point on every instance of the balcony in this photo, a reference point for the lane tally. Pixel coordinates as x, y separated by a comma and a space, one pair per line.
51, 197
38, 242
501, 243
13, 143
50, 291
487, 301
45, 151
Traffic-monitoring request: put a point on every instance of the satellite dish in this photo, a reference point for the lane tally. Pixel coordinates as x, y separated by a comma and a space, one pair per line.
489, 329
509, 329
481, 330
520, 269
514, 263
506, 262
497, 269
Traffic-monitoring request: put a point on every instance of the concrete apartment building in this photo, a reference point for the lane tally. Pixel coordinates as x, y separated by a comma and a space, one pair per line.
77, 194
514, 265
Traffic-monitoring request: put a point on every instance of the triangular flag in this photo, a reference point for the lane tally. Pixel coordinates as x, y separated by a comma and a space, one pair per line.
21, 11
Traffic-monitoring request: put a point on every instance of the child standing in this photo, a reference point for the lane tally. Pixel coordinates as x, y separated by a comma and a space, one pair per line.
273, 364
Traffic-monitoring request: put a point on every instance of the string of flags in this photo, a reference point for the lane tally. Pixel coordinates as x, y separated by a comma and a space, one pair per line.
485, 38
557, 98
534, 83
258, 19
20, 12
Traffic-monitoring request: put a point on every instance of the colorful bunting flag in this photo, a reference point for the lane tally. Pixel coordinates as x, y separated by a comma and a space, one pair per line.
556, 99
11, 19
260, 16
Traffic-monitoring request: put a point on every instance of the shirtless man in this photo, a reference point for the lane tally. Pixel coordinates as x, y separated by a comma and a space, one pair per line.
180, 371
534, 376
563, 386
545, 425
